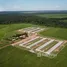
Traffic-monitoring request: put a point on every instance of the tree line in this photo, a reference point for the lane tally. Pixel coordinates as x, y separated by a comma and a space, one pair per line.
30, 18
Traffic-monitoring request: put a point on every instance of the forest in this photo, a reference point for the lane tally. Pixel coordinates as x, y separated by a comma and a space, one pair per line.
9, 18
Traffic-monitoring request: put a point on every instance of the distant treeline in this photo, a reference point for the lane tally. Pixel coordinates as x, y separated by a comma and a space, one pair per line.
9, 18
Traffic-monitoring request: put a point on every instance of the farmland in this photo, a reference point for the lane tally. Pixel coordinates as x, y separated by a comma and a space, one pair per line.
17, 56
8, 30
55, 32
13, 57
53, 15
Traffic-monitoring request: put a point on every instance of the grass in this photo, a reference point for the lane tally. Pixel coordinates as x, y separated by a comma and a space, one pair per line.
53, 15
51, 32
59, 33
14, 57
8, 30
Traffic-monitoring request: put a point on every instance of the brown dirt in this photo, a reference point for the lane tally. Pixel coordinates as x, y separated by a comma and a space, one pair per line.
24, 40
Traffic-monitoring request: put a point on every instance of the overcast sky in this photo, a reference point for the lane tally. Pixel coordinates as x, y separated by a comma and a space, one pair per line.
23, 5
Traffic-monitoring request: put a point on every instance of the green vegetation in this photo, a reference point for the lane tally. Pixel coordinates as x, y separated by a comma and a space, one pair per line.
60, 33
52, 20
15, 57
53, 15
8, 30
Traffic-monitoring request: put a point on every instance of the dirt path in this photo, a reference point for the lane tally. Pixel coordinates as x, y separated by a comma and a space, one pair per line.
24, 40
30, 37
4, 47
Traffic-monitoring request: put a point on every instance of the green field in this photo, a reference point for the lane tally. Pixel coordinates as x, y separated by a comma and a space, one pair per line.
15, 57
59, 33
53, 15
8, 30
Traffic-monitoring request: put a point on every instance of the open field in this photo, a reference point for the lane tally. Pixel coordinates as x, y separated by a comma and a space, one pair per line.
37, 44
15, 57
53, 15
8, 30
60, 33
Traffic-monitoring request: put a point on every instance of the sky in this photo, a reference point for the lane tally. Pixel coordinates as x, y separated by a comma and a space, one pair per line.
30, 5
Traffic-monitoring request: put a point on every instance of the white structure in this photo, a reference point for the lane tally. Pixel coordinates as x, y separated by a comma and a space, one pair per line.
44, 45
33, 29
38, 30
32, 51
54, 47
36, 43
28, 41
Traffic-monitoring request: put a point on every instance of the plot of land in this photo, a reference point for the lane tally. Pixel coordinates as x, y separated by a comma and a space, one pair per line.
12, 57
36, 44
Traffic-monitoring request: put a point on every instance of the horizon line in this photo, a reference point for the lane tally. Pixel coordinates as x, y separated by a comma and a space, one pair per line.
33, 10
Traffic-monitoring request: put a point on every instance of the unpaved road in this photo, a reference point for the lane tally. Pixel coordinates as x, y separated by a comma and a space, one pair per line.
4, 46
